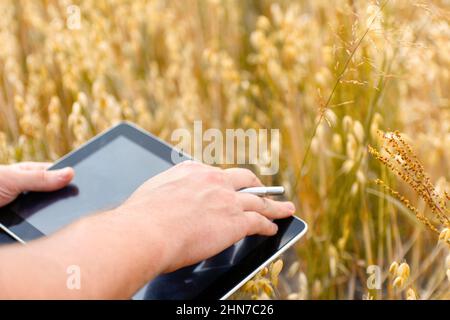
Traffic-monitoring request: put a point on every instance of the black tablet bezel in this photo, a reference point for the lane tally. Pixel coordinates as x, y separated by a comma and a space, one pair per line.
265, 253
22, 231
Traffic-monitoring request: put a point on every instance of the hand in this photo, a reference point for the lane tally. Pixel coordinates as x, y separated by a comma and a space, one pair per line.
179, 217
196, 212
30, 176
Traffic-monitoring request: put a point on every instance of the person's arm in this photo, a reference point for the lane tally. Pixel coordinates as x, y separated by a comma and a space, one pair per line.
112, 257
180, 217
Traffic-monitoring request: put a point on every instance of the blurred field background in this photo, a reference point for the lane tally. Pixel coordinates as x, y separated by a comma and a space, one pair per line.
328, 74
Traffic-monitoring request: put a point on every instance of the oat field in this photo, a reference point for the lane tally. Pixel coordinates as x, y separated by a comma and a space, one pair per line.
360, 91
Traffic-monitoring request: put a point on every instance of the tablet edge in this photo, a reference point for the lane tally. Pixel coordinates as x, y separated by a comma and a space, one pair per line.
271, 259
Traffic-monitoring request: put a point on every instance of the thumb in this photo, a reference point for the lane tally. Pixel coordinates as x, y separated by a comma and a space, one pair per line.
43, 180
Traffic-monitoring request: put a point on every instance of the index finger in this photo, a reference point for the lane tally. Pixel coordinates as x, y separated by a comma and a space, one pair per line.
242, 178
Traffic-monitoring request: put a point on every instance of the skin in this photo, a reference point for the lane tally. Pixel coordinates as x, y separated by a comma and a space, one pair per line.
162, 227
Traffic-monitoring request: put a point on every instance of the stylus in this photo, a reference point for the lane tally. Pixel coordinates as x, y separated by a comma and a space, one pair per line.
264, 191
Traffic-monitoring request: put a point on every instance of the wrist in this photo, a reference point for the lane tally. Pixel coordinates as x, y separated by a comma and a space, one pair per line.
143, 238
117, 254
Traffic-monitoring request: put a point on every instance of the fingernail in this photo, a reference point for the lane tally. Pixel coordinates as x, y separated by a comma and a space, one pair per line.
64, 174
275, 228
290, 206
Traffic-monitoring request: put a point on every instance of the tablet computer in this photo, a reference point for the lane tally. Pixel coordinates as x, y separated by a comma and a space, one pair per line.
108, 169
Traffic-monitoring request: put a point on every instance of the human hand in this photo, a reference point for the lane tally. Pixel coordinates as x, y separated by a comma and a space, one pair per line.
30, 176
196, 212
182, 216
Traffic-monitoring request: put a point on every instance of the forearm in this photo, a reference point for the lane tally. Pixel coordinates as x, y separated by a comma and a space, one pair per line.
114, 261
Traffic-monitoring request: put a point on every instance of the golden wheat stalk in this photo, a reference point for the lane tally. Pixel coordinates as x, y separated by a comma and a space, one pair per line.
398, 156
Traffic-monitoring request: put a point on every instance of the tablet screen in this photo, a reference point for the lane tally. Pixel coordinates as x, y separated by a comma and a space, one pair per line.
102, 181
107, 171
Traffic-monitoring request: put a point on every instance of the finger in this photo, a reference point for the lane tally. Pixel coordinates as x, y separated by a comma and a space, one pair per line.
32, 165
43, 180
267, 207
242, 178
258, 224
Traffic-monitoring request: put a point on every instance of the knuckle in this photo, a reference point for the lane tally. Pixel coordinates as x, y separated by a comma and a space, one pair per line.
223, 200
215, 193
246, 224
247, 172
241, 227
254, 179
252, 220
260, 204
214, 177
264, 204
9, 180
42, 176
258, 223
